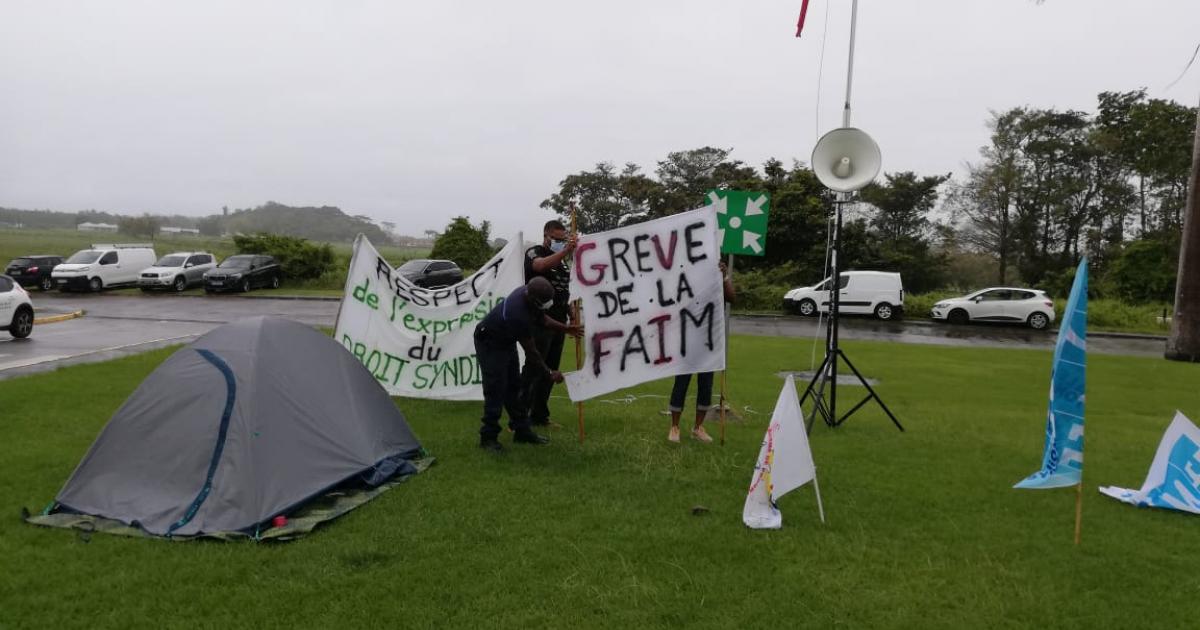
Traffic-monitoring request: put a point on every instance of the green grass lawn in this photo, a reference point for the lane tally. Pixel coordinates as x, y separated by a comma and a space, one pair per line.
924, 529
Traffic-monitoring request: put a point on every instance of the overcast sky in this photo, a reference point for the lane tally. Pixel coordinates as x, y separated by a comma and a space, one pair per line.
414, 112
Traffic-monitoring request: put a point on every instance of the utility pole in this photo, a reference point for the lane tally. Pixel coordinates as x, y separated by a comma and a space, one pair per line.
1184, 342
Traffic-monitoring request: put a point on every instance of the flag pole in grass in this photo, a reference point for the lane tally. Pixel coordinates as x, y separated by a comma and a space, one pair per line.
784, 463
575, 321
741, 229
1062, 459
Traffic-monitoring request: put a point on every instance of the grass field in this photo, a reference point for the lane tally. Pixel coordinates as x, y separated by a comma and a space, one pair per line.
924, 529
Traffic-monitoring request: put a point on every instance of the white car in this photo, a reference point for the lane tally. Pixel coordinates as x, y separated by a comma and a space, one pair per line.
177, 271
103, 266
16, 309
878, 293
998, 304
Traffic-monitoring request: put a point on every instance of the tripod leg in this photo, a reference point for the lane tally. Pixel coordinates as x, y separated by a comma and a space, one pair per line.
871, 390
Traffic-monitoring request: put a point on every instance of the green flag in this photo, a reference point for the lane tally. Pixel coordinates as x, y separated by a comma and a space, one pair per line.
741, 220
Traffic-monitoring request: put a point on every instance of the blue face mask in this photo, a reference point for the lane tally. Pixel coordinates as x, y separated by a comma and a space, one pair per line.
557, 246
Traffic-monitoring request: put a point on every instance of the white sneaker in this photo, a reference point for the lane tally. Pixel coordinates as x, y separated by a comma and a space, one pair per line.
700, 434
673, 436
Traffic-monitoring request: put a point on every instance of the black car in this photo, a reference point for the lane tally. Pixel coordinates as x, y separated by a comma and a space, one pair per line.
431, 274
33, 271
242, 273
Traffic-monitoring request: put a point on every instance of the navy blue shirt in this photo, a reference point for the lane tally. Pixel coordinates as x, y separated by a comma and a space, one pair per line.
511, 319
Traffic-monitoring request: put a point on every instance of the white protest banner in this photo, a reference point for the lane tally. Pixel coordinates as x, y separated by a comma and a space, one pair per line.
1173, 482
420, 342
652, 303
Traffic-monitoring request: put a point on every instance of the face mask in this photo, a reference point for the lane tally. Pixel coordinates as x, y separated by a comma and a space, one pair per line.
557, 246
545, 306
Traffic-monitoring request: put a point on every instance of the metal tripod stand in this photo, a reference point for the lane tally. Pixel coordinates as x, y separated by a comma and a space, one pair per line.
825, 402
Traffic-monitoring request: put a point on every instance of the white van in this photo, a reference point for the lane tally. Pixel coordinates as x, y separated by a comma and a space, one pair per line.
103, 266
878, 293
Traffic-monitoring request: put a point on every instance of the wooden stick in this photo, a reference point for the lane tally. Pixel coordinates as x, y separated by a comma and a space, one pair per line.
722, 402
578, 343
729, 270
1078, 509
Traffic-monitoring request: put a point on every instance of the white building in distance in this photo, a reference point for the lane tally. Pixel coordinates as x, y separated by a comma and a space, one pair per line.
96, 227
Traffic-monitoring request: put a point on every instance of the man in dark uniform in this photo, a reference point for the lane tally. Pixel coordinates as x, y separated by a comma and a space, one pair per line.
496, 337
548, 261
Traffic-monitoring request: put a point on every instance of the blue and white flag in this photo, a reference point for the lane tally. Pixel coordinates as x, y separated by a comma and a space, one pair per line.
1173, 482
1062, 461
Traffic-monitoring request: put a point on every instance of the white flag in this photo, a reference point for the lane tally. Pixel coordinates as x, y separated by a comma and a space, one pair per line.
784, 463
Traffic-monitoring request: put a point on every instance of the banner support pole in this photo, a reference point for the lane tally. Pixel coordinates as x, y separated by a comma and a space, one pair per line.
1078, 508
724, 397
575, 321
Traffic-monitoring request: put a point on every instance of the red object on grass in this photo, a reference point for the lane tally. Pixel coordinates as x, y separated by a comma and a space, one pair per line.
800, 23
279, 521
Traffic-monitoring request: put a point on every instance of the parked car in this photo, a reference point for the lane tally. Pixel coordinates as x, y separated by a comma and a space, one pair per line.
33, 271
998, 304
16, 309
104, 266
431, 274
878, 293
177, 271
242, 273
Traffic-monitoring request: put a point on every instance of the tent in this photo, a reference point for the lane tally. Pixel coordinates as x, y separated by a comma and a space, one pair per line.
255, 419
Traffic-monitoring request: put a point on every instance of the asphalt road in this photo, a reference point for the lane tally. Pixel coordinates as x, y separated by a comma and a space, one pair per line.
123, 322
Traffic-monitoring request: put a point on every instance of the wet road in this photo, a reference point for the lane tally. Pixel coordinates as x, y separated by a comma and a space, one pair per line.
926, 332
122, 323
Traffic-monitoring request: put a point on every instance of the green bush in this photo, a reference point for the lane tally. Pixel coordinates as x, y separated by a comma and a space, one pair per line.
763, 289
464, 243
300, 259
919, 304
1145, 271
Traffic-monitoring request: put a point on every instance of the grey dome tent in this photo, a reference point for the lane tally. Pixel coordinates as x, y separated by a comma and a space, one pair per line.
251, 421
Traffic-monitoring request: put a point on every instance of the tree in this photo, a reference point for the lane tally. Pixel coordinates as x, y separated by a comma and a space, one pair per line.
1184, 342
902, 204
299, 258
210, 225
899, 231
464, 243
144, 226
686, 176
604, 198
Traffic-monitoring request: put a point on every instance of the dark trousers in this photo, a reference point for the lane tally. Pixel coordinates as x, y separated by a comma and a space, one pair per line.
500, 368
535, 384
704, 383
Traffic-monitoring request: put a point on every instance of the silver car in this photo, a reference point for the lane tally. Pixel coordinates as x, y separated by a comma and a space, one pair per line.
177, 271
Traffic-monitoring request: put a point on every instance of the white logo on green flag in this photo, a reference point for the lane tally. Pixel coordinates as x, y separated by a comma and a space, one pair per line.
741, 221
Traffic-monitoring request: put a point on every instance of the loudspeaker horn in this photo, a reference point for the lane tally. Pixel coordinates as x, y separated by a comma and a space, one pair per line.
846, 159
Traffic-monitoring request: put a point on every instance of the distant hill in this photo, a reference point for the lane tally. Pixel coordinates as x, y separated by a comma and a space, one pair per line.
326, 223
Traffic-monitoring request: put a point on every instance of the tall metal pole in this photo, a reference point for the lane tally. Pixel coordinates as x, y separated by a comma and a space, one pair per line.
1184, 342
850, 63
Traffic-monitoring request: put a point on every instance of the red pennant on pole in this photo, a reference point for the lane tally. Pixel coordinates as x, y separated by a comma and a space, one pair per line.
800, 22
